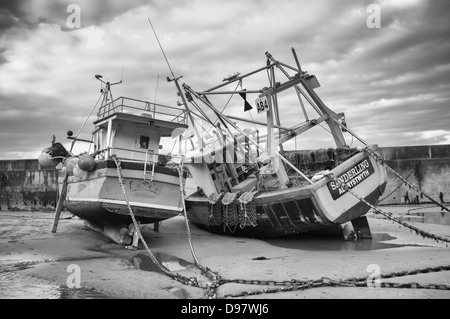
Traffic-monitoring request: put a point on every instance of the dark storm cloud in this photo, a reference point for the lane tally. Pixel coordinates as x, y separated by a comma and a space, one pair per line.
424, 30
92, 12
29, 13
393, 83
13, 13
26, 126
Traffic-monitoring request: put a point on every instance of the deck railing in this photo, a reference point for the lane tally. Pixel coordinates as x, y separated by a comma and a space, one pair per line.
142, 108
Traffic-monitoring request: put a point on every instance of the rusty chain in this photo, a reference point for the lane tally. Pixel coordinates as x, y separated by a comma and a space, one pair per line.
295, 285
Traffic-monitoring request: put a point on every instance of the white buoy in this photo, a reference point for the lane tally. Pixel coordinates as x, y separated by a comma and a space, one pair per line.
70, 164
46, 160
78, 172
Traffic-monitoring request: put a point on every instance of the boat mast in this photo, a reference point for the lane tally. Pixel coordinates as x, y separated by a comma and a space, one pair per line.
180, 92
318, 103
188, 111
273, 83
107, 95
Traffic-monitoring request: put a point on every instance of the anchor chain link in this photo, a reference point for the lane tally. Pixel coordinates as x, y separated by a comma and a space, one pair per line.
295, 285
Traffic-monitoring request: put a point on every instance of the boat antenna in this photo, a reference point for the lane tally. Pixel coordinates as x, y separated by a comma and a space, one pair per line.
159, 43
199, 137
156, 91
121, 75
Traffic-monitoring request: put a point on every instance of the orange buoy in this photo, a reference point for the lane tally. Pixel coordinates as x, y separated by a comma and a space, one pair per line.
86, 163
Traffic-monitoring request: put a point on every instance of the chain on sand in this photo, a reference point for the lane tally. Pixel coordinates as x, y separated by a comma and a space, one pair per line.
280, 286
210, 286
299, 285
184, 280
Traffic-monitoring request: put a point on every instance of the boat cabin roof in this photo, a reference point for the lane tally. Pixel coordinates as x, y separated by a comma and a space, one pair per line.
157, 116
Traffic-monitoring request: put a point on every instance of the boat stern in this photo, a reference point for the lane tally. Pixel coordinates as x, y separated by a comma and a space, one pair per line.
363, 175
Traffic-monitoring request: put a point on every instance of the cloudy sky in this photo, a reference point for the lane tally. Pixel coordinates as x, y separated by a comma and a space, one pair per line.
392, 82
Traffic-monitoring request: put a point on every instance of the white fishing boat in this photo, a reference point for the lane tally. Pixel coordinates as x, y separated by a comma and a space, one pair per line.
127, 134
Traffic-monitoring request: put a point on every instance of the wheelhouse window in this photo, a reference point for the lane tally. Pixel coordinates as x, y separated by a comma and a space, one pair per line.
144, 142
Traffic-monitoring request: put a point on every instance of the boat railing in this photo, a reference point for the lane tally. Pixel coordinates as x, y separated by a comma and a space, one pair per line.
142, 108
150, 155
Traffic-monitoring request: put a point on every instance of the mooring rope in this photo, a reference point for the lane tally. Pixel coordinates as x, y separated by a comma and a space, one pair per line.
211, 286
184, 280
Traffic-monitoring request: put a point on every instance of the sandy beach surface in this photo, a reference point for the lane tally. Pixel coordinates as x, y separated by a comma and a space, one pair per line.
38, 264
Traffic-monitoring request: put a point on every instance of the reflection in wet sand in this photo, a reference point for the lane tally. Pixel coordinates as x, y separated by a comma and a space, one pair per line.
314, 243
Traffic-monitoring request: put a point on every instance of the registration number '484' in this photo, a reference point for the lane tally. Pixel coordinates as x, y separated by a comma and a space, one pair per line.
262, 105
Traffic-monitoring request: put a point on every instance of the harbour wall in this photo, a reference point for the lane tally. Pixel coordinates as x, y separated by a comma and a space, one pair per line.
426, 167
25, 185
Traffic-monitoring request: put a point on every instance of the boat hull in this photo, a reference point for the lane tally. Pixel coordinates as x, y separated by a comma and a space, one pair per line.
97, 196
320, 207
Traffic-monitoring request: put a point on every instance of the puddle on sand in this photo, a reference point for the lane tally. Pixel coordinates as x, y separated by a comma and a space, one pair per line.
172, 263
19, 289
438, 218
314, 243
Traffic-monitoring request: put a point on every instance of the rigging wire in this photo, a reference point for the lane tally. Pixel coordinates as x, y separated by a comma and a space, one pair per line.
332, 133
156, 91
82, 126
159, 43
226, 105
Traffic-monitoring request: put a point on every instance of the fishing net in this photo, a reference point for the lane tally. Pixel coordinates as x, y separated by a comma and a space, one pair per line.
230, 209
311, 161
215, 209
247, 210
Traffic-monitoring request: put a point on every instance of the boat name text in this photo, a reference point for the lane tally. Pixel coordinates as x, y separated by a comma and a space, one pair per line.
351, 178
144, 186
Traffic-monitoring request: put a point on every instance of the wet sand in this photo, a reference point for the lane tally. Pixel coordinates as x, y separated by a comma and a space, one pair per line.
35, 263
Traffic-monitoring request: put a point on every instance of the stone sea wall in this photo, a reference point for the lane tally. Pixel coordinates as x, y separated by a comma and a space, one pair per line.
426, 167
25, 185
